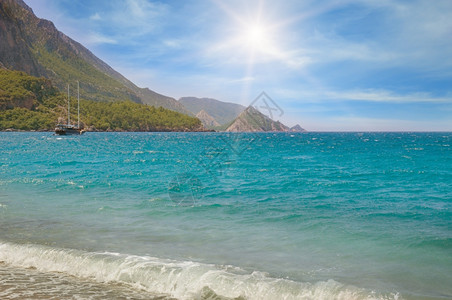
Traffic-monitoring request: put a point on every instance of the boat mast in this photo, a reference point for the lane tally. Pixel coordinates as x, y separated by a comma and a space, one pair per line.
68, 106
78, 104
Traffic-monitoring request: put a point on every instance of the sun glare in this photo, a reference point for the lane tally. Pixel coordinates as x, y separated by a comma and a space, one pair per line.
259, 36
255, 37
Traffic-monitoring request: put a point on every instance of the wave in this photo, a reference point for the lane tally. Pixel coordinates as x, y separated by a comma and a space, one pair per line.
180, 279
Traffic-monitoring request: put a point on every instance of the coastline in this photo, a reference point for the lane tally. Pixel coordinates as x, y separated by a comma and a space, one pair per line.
20, 130
252, 132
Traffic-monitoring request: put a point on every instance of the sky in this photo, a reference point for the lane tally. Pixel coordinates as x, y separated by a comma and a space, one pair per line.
330, 65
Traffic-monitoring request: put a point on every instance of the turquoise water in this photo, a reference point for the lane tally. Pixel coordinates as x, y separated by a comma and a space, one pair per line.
224, 216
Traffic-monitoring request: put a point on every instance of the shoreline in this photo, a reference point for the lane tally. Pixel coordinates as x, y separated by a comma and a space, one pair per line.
47, 271
20, 282
20, 130
210, 131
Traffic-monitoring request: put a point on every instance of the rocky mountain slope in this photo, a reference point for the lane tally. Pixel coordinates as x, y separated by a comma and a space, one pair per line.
207, 120
297, 128
251, 120
222, 112
36, 47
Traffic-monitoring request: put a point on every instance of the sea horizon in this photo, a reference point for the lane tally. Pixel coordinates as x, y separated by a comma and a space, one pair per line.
241, 132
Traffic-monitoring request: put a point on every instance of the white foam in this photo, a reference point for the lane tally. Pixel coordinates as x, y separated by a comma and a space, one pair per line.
180, 279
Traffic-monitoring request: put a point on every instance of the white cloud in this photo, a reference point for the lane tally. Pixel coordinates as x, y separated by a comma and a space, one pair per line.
96, 38
95, 17
414, 35
313, 121
139, 17
377, 124
243, 79
385, 96
329, 49
173, 43
306, 95
126, 21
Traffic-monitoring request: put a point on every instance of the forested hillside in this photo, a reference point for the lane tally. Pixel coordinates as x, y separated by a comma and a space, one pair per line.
32, 103
37, 47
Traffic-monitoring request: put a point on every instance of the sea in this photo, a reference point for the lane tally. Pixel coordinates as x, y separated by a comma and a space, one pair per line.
226, 215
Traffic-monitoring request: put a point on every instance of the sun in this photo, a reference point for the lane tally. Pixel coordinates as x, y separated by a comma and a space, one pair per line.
258, 35
255, 37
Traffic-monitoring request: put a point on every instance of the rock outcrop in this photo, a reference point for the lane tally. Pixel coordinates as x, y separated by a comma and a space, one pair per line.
297, 128
252, 120
207, 120
222, 112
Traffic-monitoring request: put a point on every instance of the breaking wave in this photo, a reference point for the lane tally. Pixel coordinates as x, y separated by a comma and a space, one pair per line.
179, 279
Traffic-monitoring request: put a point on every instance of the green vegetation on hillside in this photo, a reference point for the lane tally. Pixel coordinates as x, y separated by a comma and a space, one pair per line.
130, 116
20, 89
31, 103
63, 66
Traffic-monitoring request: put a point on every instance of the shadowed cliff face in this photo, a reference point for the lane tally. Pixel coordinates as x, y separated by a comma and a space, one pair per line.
14, 47
36, 47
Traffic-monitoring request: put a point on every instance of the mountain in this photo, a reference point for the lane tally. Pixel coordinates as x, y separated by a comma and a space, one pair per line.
222, 112
297, 128
207, 119
36, 47
33, 103
252, 120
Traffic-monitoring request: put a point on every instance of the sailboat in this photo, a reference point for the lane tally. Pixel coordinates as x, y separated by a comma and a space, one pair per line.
69, 129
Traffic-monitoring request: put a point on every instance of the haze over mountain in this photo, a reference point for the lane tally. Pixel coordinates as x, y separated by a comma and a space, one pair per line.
252, 120
222, 112
297, 128
207, 120
36, 47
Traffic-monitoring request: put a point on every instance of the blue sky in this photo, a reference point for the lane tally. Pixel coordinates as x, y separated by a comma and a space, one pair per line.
383, 65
